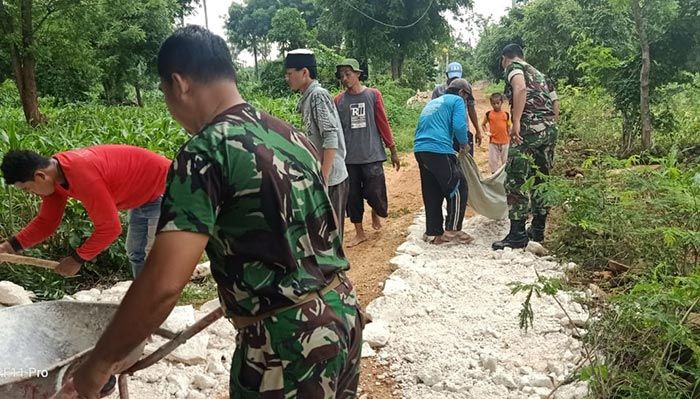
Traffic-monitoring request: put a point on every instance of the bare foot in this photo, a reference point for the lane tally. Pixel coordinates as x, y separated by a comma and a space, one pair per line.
356, 240
376, 221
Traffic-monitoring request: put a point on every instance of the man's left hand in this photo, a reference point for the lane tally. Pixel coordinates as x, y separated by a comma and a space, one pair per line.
68, 267
478, 137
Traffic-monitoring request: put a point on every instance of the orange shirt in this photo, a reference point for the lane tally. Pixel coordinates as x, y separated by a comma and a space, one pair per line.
499, 123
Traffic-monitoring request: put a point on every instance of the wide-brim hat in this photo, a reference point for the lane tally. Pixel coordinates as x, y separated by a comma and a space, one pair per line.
348, 62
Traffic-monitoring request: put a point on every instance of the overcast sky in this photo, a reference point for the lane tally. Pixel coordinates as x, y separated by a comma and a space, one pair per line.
218, 9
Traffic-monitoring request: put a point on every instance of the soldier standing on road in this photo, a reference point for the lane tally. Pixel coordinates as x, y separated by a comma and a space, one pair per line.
533, 137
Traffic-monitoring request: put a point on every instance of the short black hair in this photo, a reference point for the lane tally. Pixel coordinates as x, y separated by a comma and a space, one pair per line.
197, 53
496, 97
512, 50
313, 71
18, 166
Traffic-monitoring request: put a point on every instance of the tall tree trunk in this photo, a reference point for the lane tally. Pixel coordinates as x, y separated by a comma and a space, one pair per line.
24, 67
137, 88
397, 66
640, 24
629, 128
255, 60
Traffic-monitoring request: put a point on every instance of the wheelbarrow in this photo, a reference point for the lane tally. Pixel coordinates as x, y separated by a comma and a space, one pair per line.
42, 343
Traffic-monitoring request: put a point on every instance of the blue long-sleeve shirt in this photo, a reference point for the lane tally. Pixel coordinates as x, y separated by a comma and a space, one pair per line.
442, 120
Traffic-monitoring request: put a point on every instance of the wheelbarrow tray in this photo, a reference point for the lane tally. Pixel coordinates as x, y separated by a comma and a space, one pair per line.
41, 341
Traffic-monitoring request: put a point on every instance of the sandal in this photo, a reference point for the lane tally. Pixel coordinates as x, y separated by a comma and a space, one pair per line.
453, 237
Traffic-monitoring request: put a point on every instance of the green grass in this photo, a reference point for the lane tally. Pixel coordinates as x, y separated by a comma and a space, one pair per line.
643, 212
199, 292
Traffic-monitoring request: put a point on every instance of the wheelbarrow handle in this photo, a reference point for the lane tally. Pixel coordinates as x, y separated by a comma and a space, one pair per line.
176, 341
27, 260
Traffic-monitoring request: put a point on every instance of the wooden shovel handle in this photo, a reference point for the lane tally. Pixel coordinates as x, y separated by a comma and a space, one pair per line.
27, 260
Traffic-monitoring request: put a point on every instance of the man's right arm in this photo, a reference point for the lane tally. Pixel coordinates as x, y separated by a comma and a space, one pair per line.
517, 81
328, 122
459, 122
42, 226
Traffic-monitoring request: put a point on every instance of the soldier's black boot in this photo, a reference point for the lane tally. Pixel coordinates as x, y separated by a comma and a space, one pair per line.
536, 230
516, 238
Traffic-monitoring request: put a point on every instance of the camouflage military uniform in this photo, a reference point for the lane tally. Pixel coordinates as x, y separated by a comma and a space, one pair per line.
536, 153
253, 185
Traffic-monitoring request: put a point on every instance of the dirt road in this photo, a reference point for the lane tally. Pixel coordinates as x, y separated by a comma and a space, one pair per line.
370, 259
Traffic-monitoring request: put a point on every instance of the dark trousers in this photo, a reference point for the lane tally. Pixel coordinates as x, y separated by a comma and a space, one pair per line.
367, 182
441, 179
339, 200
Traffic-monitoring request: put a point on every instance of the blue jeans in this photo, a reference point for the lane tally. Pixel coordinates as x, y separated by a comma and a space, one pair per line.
143, 222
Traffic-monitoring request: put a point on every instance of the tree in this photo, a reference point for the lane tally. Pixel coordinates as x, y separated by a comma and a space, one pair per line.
248, 26
629, 47
184, 8
404, 29
494, 37
20, 23
630, 32
548, 30
289, 29
127, 38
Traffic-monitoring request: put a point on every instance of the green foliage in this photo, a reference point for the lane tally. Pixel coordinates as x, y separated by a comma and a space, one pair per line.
199, 292
249, 25
496, 36
366, 39
641, 217
402, 118
272, 80
289, 29
590, 122
649, 338
546, 286
73, 126
127, 38
8, 94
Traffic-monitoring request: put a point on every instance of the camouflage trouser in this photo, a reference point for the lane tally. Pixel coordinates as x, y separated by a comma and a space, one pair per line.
312, 351
536, 153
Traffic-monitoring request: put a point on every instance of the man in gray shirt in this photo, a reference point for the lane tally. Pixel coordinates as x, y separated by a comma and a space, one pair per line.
322, 125
367, 132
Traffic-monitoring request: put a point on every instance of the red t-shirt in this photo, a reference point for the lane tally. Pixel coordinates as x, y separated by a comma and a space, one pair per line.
105, 179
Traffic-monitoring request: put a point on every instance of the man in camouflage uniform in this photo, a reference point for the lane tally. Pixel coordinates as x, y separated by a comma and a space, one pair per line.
533, 137
248, 188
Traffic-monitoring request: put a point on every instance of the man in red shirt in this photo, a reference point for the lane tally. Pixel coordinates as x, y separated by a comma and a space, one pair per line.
105, 179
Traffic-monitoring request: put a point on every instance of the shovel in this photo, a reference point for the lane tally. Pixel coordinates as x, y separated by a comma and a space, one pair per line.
27, 260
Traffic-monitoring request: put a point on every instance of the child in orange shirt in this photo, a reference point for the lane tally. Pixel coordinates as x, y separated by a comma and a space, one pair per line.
498, 130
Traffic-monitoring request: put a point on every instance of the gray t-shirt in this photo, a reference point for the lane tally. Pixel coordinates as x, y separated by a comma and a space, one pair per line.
362, 137
322, 125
